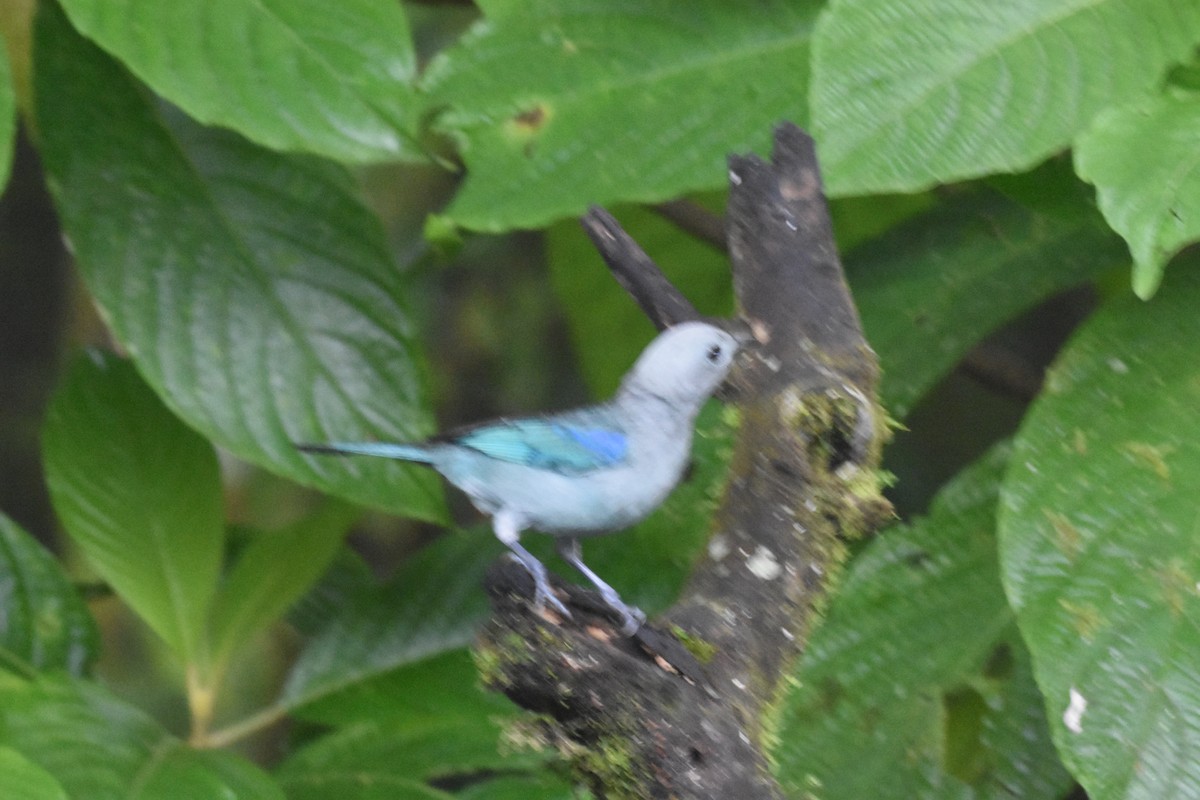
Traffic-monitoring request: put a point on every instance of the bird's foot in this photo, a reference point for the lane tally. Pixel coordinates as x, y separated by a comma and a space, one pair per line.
632, 617
544, 596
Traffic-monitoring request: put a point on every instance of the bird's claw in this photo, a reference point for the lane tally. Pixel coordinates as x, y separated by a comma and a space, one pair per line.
543, 597
632, 619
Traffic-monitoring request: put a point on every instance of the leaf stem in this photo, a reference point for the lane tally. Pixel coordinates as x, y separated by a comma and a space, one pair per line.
241, 729
201, 698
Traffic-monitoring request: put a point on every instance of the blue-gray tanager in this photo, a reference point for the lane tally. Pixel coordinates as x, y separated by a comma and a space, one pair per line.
587, 471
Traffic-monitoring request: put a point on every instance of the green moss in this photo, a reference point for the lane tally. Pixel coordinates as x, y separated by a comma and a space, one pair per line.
609, 762
493, 658
488, 663
770, 719
530, 734
701, 649
867, 484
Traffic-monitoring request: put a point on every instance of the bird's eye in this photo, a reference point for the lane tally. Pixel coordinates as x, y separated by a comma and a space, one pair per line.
714, 353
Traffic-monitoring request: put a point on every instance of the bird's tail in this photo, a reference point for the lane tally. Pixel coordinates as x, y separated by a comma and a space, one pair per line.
403, 452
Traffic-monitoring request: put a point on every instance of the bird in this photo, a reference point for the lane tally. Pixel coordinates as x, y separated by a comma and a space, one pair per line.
586, 471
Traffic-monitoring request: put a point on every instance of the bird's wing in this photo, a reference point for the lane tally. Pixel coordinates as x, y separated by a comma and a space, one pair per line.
554, 443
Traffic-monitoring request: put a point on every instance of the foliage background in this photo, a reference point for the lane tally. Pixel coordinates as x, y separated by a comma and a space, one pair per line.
303, 221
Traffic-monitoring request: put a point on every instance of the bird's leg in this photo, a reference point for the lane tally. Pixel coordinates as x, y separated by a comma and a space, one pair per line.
508, 531
632, 617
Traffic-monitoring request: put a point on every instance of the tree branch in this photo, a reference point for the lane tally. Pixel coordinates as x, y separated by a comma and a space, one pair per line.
636, 272
803, 478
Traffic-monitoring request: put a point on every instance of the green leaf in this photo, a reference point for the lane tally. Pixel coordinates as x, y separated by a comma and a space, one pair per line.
438, 688
347, 576
342, 786
335, 79
21, 778
917, 683
1099, 544
181, 773
909, 93
522, 787
139, 493
100, 748
400, 727
857, 220
560, 103
272, 572
253, 291
1144, 161
432, 605
931, 288
45, 624
8, 115
374, 754
376, 763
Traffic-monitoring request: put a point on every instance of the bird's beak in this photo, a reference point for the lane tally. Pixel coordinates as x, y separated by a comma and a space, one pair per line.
743, 333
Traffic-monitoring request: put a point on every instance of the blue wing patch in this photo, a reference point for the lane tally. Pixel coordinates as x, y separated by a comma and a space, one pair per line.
607, 444
548, 444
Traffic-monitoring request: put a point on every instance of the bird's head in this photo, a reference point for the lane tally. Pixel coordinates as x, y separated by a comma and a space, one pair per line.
684, 364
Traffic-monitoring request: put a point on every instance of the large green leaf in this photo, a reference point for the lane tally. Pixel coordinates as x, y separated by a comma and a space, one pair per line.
181, 773
1145, 162
99, 748
917, 683
21, 778
524, 787
343, 786
432, 605
908, 93
140, 493
329, 78
427, 721
347, 576
271, 574
8, 115
45, 624
560, 103
253, 291
931, 288
1100, 545
373, 754
442, 687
